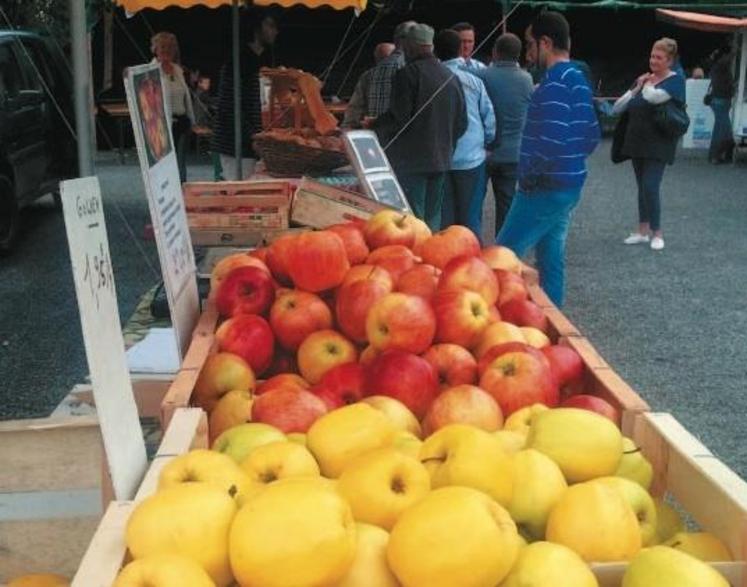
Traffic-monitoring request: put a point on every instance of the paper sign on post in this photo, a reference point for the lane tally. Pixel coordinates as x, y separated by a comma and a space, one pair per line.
151, 125
102, 334
698, 135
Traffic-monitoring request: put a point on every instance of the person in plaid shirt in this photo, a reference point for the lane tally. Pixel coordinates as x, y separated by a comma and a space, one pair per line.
382, 75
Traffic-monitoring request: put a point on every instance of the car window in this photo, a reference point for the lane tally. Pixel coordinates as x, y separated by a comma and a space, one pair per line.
11, 79
40, 65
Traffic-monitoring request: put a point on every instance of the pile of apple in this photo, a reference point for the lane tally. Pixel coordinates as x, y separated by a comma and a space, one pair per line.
408, 431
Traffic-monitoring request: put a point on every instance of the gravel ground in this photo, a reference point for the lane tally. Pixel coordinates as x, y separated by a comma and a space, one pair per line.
672, 323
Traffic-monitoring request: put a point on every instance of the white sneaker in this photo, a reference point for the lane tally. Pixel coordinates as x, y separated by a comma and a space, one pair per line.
636, 238
657, 243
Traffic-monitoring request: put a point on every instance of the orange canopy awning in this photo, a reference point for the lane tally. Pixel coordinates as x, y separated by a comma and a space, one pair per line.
702, 22
135, 5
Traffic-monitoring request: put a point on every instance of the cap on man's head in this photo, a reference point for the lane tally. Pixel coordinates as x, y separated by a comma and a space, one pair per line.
421, 34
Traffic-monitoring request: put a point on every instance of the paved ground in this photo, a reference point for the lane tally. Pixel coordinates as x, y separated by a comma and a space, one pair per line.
673, 323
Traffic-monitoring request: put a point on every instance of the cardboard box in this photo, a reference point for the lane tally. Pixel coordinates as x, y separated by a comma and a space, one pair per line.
320, 205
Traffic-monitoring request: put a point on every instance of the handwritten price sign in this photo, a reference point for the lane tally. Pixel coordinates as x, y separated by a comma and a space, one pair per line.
102, 334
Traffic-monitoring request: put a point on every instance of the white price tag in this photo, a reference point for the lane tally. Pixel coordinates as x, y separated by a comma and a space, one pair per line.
102, 334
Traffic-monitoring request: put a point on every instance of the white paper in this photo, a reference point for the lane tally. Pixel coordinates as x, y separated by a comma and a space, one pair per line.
698, 136
156, 353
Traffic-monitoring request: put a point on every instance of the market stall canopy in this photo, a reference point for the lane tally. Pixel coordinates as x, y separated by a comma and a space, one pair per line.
136, 5
702, 22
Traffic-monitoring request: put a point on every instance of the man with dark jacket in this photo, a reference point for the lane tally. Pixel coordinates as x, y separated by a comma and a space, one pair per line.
419, 131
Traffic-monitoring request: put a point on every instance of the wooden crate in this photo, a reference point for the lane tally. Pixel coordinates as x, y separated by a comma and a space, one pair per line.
320, 205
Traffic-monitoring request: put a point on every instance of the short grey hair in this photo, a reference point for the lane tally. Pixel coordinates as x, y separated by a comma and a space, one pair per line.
401, 30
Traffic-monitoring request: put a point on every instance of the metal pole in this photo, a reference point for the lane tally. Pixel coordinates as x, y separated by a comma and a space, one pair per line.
82, 88
739, 123
506, 4
236, 89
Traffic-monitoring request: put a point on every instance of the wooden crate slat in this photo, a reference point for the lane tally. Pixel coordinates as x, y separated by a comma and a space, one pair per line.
236, 188
264, 204
538, 295
239, 237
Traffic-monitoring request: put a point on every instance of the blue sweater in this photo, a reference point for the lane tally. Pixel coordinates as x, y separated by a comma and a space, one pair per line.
560, 133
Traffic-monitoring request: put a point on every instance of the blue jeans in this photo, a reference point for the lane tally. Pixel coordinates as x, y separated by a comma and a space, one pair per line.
464, 193
541, 220
425, 193
648, 176
721, 138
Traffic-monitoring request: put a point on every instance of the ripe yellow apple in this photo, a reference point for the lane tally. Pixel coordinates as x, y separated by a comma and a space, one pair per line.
298, 438
161, 570
584, 444
293, 532
702, 545
232, 409
539, 484
209, 467
189, 519
279, 460
380, 484
459, 454
668, 521
641, 502
594, 520
512, 442
453, 536
544, 564
369, 567
40, 580
239, 441
407, 443
397, 412
667, 567
634, 465
521, 420
341, 435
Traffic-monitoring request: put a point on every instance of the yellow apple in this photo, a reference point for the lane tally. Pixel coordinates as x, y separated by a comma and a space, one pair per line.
279, 460
594, 520
584, 444
512, 442
668, 521
459, 454
232, 409
535, 337
454, 536
338, 437
702, 545
380, 484
189, 519
544, 564
369, 567
298, 438
397, 412
40, 580
539, 484
293, 532
495, 334
641, 502
162, 570
407, 443
521, 420
663, 566
239, 441
634, 465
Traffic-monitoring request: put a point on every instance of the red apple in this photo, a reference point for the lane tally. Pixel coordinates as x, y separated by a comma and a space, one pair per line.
284, 380
405, 377
321, 351
472, 273
508, 347
296, 314
260, 253
454, 364
368, 354
461, 316
463, 404
221, 373
389, 227
565, 363
500, 257
593, 404
341, 385
352, 237
288, 410
519, 379
245, 290
369, 271
277, 258
250, 337
524, 313
511, 287
317, 261
396, 259
227, 264
448, 244
401, 321
353, 303
422, 233
421, 280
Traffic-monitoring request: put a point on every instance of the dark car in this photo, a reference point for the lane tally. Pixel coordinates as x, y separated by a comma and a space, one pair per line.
37, 149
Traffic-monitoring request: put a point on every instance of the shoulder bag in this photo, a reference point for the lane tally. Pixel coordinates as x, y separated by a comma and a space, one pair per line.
671, 118
618, 139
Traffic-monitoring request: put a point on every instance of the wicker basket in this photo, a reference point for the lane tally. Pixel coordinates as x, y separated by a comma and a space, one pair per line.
286, 158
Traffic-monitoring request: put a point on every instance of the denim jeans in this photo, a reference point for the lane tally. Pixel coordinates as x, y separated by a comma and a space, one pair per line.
541, 220
425, 193
464, 193
648, 176
721, 138
503, 177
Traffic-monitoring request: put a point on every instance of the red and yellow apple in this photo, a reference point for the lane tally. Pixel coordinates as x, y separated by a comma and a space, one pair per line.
454, 364
565, 363
278, 258
341, 385
401, 321
353, 303
524, 313
421, 280
461, 316
231, 262
497, 333
470, 273
593, 404
352, 237
221, 373
396, 259
321, 351
250, 337
245, 290
284, 380
463, 404
511, 286
500, 257
454, 241
317, 261
295, 315
389, 227
288, 410
368, 271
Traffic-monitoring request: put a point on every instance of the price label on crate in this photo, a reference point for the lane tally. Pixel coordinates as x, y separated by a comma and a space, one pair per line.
102, 334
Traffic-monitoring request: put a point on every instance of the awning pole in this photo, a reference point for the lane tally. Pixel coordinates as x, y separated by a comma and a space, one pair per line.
236, 89
739, 121
81, 86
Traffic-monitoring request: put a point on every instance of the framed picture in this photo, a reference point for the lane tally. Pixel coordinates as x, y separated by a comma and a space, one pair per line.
365, 152
385, 189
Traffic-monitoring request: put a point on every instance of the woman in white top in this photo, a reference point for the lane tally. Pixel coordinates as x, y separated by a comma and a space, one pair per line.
178, 99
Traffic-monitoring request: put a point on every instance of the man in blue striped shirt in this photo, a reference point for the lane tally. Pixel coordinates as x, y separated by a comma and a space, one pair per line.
561, 131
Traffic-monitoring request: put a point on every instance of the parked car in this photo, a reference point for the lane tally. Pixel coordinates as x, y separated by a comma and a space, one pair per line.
37, 150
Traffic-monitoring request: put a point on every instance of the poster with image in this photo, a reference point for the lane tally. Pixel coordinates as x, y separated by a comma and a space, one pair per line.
152, 114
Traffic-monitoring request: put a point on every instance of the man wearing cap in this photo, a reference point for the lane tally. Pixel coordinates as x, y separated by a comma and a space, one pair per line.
420, 130
380, 81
